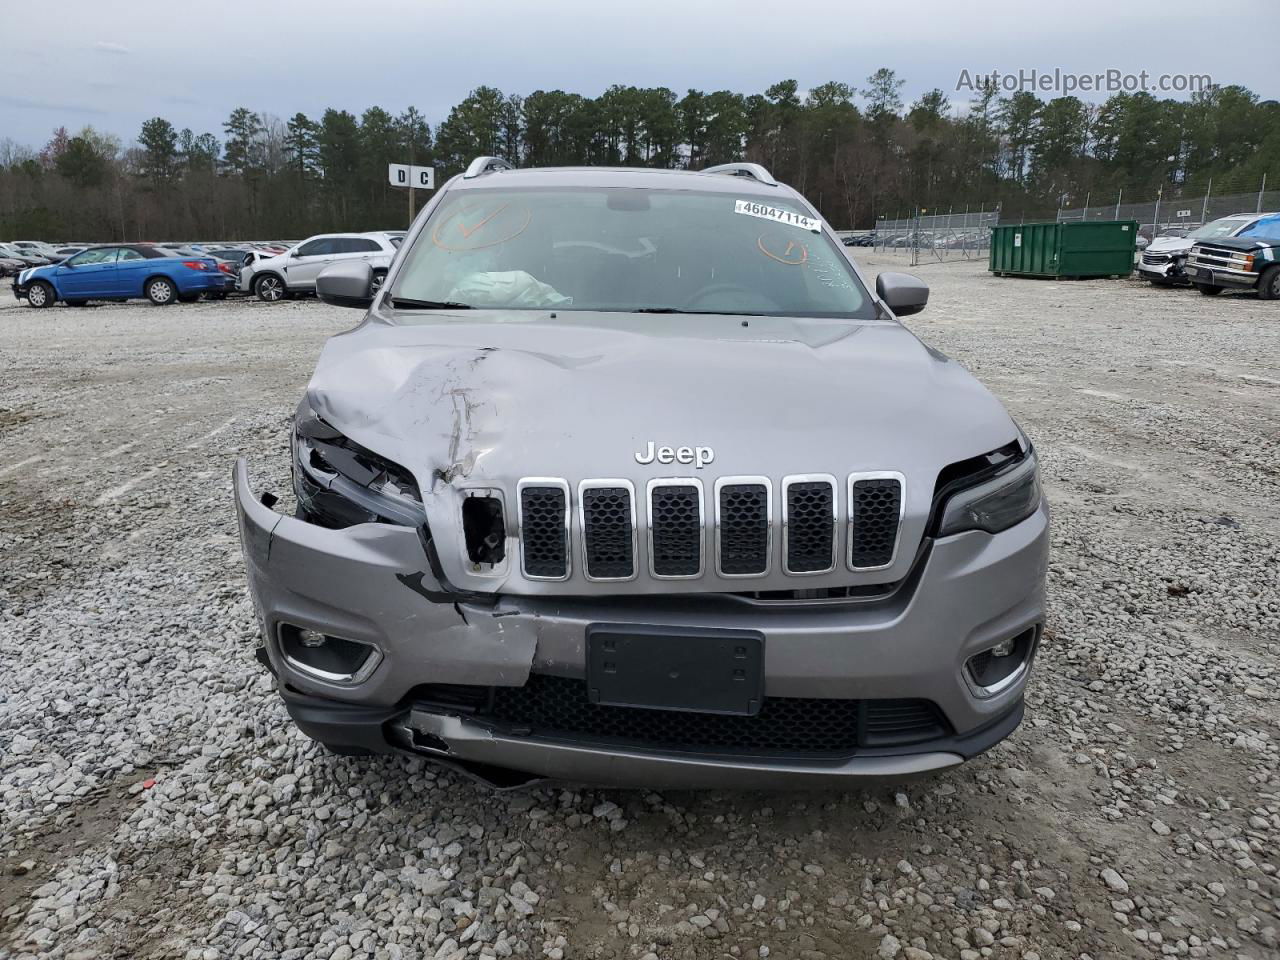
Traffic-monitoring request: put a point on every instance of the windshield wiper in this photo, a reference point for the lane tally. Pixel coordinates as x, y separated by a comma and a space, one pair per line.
404, 303
716, 313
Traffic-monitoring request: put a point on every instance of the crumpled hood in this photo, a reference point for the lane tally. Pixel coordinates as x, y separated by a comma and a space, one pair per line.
484, 399
1169, 245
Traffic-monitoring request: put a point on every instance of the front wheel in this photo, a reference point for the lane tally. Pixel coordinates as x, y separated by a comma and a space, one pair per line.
1269, 284
379, 277
1209, 289
269, 289
161, 292
41, 295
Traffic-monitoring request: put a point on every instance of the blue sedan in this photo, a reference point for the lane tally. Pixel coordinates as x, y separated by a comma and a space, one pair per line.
123, 272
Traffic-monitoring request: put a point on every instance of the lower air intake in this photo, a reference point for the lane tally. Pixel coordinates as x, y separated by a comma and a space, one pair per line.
557, 707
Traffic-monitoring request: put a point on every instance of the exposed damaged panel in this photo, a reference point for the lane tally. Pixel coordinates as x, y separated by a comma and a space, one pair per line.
484, 530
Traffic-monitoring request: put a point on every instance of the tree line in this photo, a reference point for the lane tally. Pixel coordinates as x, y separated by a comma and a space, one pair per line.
858, 152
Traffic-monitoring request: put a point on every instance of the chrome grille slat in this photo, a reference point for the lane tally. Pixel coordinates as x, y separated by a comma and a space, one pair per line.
744, 526
607, 510
674, 509
877, 501
809, 513
542, 505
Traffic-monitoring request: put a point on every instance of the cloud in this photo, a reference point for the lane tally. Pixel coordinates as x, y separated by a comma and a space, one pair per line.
24, 103
107, 46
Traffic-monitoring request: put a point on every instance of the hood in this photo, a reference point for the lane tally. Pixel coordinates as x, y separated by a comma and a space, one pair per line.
1244, 244
1170, 245
482, 399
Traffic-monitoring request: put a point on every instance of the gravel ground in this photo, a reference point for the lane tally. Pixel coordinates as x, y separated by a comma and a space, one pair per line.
155, 801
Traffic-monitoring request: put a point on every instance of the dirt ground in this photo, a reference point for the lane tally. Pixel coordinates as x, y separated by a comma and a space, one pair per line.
155, 802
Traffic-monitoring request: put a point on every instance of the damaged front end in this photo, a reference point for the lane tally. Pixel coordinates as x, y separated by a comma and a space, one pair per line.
339, 588
339, 483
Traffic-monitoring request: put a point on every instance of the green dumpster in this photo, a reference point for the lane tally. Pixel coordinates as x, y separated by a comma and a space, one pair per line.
1100, 248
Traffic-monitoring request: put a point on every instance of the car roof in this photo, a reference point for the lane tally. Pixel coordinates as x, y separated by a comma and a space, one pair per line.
650, 178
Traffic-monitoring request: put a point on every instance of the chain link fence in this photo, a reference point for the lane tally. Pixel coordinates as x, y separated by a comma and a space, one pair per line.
954, 235
1177, 216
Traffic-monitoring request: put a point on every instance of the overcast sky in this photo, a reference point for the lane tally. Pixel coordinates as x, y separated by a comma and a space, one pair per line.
113, 65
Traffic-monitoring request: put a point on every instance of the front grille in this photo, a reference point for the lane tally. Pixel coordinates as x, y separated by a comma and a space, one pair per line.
1155, 259
679, 534
875, 508
608, 532
1218, 258
744, 523
557, 708
675, 529
544, 535
810, 525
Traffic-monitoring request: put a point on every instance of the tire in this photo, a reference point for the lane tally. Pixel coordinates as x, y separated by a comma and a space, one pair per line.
1269, 284
269, 288
161, 291
41, 295
378, 277
1208, 289
188, 297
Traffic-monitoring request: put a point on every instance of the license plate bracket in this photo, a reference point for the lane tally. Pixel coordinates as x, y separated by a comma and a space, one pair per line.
663, 668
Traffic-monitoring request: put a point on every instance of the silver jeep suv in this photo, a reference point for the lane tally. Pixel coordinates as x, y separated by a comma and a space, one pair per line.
629, 477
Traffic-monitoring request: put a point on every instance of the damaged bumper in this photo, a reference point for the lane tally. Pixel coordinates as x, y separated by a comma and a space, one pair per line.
373, 584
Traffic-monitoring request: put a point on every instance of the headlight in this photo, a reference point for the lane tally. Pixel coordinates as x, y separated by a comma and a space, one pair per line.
996, 504
340, 483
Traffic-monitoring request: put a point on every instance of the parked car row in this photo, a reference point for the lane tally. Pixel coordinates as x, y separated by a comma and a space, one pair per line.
166, 273
1239, 252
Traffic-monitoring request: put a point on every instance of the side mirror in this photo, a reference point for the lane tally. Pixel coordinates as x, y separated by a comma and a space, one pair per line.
347, 283
903, 293
294, 254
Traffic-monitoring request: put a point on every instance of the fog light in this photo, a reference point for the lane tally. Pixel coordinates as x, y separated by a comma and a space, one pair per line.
1002, 649
1000, 666
309, 638
327, 657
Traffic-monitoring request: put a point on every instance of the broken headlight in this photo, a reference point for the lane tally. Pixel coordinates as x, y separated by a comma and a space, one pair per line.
339, 483
996, 504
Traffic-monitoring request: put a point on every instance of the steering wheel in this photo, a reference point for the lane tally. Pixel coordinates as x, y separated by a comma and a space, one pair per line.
753, 300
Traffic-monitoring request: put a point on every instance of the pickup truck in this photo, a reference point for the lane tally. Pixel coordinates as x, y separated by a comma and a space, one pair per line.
1248, 261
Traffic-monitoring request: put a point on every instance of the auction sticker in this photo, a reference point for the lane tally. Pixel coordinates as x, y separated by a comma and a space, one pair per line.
777, 215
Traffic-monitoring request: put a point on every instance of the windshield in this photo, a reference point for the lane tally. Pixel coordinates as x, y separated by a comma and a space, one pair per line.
627, 249
1225, 227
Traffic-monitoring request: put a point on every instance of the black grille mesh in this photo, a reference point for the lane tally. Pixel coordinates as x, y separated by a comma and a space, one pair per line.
542, 531
744, 528
607, 532
810, 526
675, 516
553, 707
874, 514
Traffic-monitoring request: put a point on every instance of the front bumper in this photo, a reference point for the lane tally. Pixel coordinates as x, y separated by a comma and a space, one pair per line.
373, 583
1240, 279
19, 290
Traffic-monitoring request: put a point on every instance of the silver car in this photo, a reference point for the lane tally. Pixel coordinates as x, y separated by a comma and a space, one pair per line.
295, 270
630, 477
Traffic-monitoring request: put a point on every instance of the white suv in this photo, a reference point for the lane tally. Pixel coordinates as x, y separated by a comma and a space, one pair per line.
294, 271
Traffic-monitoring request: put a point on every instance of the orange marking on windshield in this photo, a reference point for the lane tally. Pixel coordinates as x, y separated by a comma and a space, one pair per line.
789, 255
466, 233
